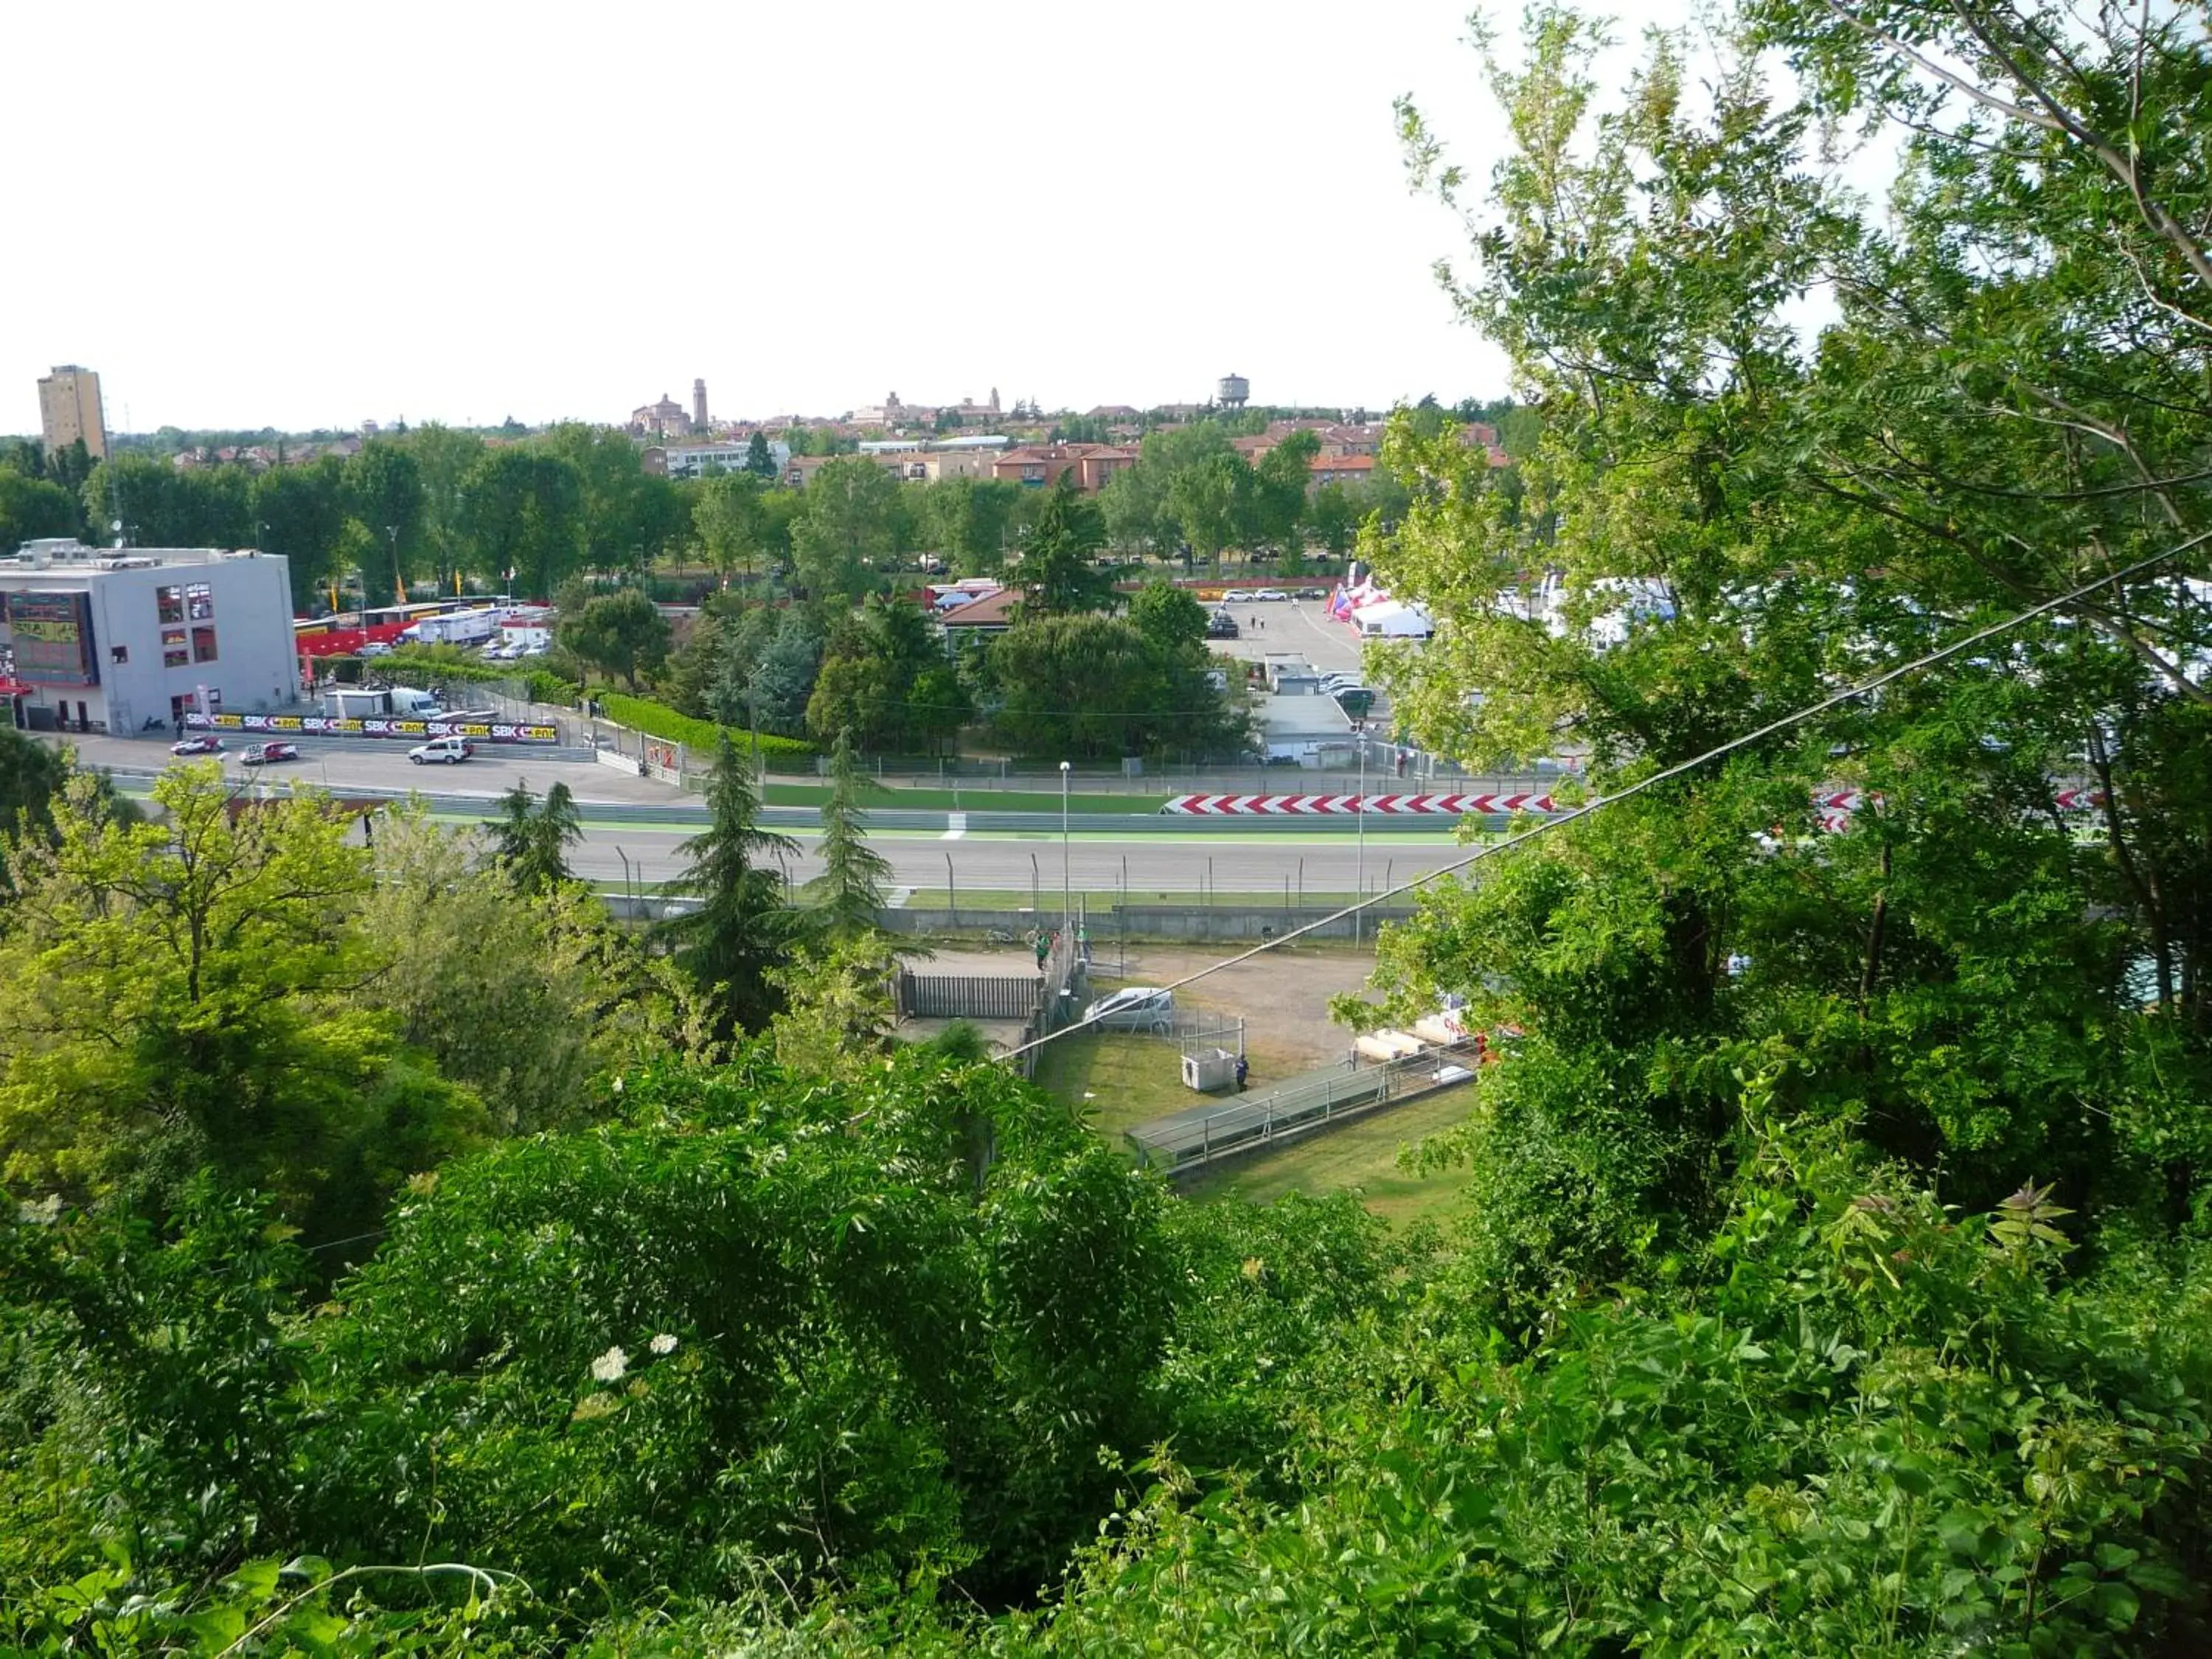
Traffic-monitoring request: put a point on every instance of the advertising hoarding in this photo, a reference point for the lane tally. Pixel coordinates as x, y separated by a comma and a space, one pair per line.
53, 634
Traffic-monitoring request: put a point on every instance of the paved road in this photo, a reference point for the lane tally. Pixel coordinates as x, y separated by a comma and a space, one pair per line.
1096, 863
1151, 860
1300, 625
493, 772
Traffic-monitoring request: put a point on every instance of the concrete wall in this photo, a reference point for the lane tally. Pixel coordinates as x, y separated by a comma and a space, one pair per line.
1224, 922
1227, 924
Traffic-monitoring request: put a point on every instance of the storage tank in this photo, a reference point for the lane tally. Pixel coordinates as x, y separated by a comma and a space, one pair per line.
1233, 392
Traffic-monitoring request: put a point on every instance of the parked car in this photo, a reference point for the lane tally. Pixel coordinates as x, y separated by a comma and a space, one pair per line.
203, 744
1312, 593
1221, 626
449, 750
1137, 1008
1238, 596
267, 754
1271, 593
375, 648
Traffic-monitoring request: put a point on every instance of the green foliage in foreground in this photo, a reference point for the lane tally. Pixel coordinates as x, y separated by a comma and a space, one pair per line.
658, 720
773, 1368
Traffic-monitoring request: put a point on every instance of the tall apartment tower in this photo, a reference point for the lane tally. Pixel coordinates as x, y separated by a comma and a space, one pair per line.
699, 405
69, 409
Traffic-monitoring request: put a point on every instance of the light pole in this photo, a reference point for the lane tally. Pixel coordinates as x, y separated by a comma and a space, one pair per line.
398, 586
1066, 910
1360, 806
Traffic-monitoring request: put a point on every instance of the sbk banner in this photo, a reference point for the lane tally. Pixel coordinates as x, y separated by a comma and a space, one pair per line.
331, 726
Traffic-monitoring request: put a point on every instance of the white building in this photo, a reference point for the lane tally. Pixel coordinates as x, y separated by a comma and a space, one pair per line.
119, 640
692, 460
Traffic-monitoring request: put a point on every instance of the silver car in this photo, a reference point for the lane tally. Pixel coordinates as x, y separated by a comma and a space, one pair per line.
1137, 1008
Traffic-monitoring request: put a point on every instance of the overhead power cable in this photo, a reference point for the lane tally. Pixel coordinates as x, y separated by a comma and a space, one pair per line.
1849, 694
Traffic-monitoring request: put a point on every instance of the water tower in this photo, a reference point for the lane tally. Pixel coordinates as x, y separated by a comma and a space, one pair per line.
1232, 391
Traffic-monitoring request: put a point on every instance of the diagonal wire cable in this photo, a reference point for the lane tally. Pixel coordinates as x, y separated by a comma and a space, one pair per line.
1797, 718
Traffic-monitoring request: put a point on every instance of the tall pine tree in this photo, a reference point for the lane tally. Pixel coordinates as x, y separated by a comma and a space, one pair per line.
849, 891
741, 929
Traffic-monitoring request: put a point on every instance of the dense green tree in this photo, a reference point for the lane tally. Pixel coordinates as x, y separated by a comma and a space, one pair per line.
1168, 616
31, 774
1740, 521
760, 459
737, 935
1092, 687
1134, 503
531, 837
1208, 501
937, 705
1333, 518
631, 518
778, 686
732, 522
160, 506
443, 456
385, 491
971, 519
521, 516
869, 669
1059, 573
530, 999
70, 466
1276, 509
32, 507
622, 633
845, 528
182, 996
301, 513
850, 890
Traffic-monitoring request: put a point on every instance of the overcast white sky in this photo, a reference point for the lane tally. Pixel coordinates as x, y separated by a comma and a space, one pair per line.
304, 216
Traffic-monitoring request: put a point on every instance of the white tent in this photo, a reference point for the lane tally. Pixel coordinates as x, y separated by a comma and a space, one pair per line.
1393, 621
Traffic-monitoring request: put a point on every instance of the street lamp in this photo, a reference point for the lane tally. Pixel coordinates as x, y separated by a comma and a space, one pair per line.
1066, 910
398, 586
1360, 806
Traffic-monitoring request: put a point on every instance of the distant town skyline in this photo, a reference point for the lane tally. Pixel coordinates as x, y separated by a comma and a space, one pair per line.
866, 412
1095, 207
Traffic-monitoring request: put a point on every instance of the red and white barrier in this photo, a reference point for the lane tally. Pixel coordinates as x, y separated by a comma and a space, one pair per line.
1835, 806
1334, 806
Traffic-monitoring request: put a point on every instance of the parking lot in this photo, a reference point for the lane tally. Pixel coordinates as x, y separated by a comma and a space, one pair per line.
1301, 625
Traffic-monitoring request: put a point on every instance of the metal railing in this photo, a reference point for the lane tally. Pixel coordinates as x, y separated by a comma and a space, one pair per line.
1189, 1139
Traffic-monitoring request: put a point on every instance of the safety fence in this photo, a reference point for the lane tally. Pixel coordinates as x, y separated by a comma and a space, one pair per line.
1187, 1140
968, 996
1044, 1002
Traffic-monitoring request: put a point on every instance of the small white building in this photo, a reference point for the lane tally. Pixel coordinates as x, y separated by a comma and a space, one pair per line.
124, 639
693, 460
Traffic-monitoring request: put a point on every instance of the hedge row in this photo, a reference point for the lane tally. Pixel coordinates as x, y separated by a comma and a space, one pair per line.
544, 685
658, 720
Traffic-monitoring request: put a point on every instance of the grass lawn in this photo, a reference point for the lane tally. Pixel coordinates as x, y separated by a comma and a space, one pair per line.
1134, 1079
1362, 1156
966, 798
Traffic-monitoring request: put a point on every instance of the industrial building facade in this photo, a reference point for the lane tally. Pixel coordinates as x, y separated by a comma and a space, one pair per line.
115, 640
